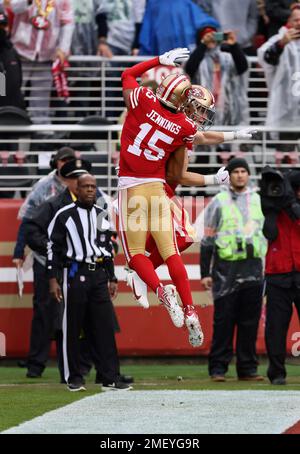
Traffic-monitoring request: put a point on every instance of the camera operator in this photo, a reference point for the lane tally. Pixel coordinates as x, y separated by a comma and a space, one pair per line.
280, 195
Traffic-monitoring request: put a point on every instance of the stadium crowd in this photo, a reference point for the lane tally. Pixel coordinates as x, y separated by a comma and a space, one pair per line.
241, 227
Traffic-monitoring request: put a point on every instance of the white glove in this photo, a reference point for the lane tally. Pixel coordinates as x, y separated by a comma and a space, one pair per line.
244, 134
222, 176
174, 57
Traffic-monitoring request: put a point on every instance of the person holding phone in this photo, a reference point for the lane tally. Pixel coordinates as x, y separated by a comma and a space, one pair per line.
279, 57
219, 64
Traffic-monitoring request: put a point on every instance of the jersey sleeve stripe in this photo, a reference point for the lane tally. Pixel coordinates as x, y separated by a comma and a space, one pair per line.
138, 94
131, 100
135, 97
189, 138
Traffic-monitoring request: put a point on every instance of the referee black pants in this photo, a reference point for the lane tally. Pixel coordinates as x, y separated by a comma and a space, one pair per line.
88, 307
279, 313
240, 310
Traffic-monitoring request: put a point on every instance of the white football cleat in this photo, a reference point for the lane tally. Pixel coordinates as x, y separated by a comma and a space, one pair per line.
196, 336
167, 295
139, 288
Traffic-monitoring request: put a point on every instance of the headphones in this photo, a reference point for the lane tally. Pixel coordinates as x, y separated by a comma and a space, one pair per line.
53, 162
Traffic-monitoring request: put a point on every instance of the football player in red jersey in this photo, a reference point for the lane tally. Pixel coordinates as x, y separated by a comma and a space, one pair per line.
153, 129
199, 107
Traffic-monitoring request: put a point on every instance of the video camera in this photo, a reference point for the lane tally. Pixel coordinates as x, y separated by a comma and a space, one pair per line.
277, 191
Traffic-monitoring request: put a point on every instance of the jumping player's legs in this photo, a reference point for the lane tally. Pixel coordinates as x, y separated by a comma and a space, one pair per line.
182, 244
133, 228
139, 212
161, 227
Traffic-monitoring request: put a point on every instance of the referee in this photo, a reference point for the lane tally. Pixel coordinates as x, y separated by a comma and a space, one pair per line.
76, 244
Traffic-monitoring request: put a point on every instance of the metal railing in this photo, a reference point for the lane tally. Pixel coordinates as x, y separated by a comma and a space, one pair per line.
95, 89
25, 159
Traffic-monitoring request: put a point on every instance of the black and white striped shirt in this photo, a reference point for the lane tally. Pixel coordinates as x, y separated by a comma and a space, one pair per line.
77, 233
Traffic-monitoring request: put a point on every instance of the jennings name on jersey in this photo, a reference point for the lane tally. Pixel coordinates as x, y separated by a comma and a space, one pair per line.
150, 133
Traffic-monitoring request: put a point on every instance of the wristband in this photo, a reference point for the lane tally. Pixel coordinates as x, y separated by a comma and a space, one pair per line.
229, 136
209, 180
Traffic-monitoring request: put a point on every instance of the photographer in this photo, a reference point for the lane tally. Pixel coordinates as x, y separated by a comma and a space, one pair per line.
280, 196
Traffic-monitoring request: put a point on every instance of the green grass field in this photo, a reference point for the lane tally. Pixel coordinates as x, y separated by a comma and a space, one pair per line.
22, 399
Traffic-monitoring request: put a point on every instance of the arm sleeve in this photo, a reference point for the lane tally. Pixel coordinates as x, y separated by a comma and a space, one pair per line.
101, 20
36, 238
136, 42
66, 26
195, 59
56, 239
206, 254
239, 58
130, 75
272, 55
21, 242
36, 229
211, 221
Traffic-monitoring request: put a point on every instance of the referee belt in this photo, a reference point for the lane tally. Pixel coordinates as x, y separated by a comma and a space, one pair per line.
88, 266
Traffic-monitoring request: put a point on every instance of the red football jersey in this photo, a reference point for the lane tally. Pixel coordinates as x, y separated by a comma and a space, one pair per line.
150, 133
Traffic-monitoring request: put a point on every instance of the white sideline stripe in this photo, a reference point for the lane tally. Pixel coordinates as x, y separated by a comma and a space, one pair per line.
171, 412
9, 274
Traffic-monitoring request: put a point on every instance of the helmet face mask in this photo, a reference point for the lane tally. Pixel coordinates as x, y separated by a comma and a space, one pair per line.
200, 107
173, 90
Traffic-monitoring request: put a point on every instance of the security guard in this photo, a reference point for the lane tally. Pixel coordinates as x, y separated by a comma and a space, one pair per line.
78, 245
231, 265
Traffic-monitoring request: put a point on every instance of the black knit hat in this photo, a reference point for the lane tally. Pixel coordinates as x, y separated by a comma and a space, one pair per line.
237, 162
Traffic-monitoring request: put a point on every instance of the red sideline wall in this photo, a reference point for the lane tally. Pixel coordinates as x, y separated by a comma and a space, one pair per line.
143, 332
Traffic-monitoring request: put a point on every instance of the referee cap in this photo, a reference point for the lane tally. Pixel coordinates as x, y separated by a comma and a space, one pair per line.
75, 168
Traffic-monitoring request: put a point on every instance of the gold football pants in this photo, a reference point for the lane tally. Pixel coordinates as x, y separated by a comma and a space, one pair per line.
142, 209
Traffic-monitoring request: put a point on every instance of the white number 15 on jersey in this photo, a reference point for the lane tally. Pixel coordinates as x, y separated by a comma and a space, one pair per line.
153, 153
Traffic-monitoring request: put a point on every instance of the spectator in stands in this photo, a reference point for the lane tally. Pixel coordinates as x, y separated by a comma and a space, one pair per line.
278, 12
116, 21
41, 33
279, 57
234, 15
282, 229
232, 250
222, 68
10, 69
263, 21
44, 311
84, 42
168, 26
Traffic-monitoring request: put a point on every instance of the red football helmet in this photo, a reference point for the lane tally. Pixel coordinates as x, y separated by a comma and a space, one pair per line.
173, 90
200, 106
